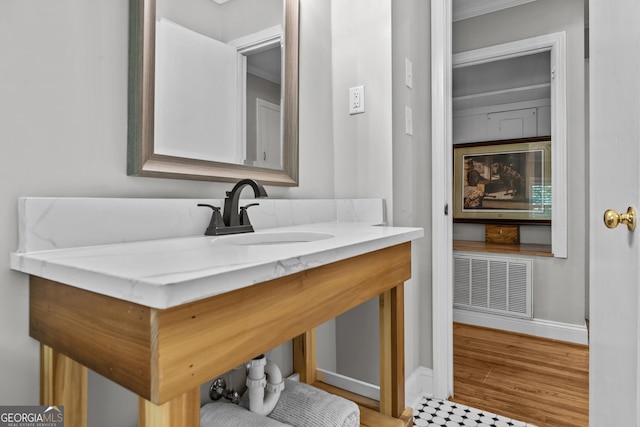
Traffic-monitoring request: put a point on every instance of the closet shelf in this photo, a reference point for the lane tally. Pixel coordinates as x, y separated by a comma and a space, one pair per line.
505, 96
521, 249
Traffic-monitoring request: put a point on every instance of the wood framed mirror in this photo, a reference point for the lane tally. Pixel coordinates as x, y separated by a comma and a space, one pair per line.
146, 157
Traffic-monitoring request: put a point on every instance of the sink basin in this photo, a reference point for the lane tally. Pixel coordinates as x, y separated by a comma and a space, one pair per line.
275, 238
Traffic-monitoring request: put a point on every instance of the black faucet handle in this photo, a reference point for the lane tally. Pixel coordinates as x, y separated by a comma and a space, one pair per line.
244, 216
214, 208
216, 220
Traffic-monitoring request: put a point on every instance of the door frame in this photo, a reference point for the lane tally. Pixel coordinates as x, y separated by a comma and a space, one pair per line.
441, 223
555, 44
245, 46
442, 63
261, 106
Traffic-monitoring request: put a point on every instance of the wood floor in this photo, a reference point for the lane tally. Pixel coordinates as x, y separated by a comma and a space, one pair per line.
530, 379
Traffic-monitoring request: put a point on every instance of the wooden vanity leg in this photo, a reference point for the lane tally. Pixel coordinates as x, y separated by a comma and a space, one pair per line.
392, 352
304, 356
63, 382
182, 411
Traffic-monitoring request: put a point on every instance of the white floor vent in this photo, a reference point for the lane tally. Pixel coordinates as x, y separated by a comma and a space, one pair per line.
492, 284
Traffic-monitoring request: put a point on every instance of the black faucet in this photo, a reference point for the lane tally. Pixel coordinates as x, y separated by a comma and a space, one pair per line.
234, 219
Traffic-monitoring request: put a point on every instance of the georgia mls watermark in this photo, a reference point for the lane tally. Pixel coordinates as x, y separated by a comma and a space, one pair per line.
31, 416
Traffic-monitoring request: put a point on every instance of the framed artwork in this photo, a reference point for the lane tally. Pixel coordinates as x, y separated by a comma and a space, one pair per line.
503, 181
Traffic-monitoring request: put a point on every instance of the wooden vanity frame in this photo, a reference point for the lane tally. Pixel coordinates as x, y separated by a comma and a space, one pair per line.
165, 355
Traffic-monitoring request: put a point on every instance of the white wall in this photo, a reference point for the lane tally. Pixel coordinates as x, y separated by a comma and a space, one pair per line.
63, 103
244, 17
559, 285
362, 56
412, 168
374, 157
361, 47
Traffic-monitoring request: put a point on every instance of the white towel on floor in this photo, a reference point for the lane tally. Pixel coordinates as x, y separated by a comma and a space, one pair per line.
226, 414
301, 405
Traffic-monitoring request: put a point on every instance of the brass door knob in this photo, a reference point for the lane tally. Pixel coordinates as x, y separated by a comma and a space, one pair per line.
613, 218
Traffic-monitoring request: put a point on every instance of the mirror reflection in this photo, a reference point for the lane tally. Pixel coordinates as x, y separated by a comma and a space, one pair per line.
218, 81
213, 90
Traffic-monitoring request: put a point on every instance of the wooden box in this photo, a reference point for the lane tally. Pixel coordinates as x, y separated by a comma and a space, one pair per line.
504, 234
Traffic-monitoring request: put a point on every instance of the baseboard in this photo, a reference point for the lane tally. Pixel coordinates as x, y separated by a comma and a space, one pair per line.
576, 334
353, 385
419, 384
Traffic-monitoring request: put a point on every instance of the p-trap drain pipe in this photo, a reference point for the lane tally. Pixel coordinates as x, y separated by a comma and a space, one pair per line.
264, 375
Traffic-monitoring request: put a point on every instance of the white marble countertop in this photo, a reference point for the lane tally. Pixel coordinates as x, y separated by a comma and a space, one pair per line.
168, 272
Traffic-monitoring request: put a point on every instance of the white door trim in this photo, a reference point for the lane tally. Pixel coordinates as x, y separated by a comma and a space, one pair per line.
248, 45
262, 147
441, 115
441, 225
258, 41
555, 44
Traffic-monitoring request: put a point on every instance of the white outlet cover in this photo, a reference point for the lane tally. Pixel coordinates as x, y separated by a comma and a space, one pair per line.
356, 100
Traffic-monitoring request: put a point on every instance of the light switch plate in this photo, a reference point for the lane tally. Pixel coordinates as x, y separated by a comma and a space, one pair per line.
408, 73
408, 117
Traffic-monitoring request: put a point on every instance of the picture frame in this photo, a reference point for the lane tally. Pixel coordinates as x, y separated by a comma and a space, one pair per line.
503, 181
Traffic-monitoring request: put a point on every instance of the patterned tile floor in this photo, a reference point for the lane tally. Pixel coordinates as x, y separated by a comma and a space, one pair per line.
433, 412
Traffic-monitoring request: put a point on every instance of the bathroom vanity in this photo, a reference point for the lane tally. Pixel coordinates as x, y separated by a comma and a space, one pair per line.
160, 314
